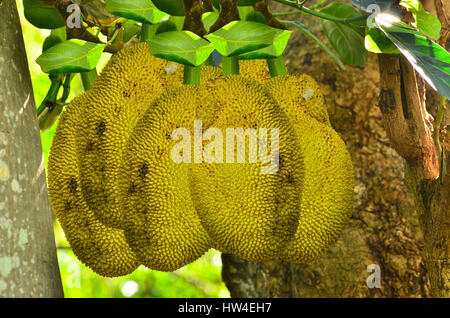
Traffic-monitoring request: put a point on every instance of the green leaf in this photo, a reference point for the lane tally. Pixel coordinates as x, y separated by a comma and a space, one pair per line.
166, 26
342, 10
60, 32
424, 21
183, 47
172, 7
272, 51
255, 16
244, 11
301, 27
50, 41
139, 10
130, 29
429, 59
71, 56
346, 40
209, 18
377, 42
239, 37
42, 15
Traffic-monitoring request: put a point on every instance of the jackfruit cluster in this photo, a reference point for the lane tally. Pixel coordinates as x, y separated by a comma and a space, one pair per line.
128, 192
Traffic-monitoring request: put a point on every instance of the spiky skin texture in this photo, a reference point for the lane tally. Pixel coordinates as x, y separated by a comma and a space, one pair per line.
245, 212
99, 247
125, 88
300, 90
160, 221
255, 69
327, 199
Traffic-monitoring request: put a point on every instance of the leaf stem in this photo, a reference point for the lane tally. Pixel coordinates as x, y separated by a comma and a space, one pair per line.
147, 32
88, 78
302, 10
192, 75
66, 88
230, 65
52, 93
277, 66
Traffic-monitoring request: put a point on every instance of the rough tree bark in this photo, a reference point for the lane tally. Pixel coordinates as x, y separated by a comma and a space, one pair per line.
426, 176
28, 263
384, 228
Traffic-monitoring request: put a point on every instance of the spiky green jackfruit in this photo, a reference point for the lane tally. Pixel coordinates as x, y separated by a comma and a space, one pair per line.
302, 91
248, 209
160, 221
101, 248
124, 90
327, 198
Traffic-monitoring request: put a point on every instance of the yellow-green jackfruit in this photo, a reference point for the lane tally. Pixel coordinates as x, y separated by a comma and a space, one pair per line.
249, 209
302, 91
160, 221
327, 198
255, 69
101, 248
124, 90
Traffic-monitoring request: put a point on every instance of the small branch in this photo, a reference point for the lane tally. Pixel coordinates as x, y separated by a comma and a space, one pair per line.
302, 8
228, 12
262, 8
404, 116
193, 21
207, 6
79, 33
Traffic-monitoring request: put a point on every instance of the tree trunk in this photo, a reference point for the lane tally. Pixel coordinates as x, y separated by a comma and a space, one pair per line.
384, 229
432, 194
28, 262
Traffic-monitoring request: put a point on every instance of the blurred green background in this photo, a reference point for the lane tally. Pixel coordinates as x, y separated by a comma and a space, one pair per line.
199, 279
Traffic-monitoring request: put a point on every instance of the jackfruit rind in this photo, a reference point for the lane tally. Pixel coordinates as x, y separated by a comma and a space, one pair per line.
327, 202
125, 88
99, 247
245, 212
255, 69
160, 221
302, 91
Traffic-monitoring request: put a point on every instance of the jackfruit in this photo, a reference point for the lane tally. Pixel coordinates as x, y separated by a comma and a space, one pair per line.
302, 91
125, 88
160, 221
255, 69
101, 248
327, 198
248, 212
328, 192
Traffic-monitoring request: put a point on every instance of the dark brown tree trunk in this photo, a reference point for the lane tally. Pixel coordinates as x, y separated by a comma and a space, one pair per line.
28, 263
384, 229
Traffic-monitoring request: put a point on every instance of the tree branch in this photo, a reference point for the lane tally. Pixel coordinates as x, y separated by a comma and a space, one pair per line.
405, 117
80, 33
193, 21
228, 12
262, 8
